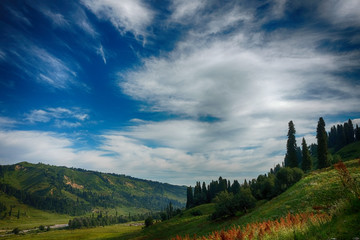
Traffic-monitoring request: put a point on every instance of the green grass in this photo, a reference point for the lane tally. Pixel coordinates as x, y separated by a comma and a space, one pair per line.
29, 216
351, 151
119, 231
319, 189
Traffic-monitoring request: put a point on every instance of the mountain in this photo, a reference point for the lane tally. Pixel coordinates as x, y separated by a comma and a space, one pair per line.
78, 191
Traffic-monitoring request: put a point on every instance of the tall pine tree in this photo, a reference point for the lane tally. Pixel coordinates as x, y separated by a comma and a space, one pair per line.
291, 157
306, 159
357, 133
322, 149
189, 197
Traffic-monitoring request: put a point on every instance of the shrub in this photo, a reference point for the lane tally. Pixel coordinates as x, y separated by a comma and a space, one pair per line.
228, 204
149, 221
16, 231
196, 213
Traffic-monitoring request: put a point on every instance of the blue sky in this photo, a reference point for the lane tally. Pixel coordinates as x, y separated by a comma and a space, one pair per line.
173, 91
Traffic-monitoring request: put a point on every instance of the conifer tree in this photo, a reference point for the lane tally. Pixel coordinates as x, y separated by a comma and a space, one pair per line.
322, 149
306, 159
197, 194
350, 134
357, 133
189, 197
291, 157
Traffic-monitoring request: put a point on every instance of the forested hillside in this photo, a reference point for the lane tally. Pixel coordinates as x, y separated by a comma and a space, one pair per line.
77, 191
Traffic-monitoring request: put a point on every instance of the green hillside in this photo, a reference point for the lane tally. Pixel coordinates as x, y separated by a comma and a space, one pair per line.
77, 191
350, 151
320, 191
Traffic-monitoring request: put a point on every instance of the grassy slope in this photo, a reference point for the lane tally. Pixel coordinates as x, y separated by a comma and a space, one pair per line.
350, 151
43, 179
321, 188
119, 231
29, 217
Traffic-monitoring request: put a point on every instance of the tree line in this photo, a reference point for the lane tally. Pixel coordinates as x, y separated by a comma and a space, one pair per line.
231, 198
338, 137
343, 134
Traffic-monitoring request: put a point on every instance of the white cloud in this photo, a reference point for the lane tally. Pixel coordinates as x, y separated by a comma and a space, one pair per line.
251, 82
7, 122
50, 148
341, 12
182, 10
101, 53
57, 19
126, 15
62, 117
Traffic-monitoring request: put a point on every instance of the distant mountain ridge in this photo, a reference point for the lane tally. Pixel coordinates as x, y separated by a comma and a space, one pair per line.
78, 191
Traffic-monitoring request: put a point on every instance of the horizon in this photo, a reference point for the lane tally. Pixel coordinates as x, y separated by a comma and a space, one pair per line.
177, 92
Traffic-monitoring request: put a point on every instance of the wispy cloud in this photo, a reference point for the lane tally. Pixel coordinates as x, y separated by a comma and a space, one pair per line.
127, 15
230, 68
51, 148
61, 117
101, 53
6, 122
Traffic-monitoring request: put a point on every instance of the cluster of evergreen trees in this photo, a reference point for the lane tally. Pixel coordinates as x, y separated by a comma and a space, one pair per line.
100, 220
169, 212
105, 220
56, 203
265, 186
343, 134
338, 137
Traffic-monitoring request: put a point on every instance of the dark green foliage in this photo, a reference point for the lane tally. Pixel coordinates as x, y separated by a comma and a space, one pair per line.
306, 164
263, 187
42, 228
169, 212
342, 135
235, 187
77, 191
196, 213
2, 207
224, 205
291, 159
228, 204
287, 177
189, 197
100, 220
357, 133
321, 136
16, 231
149, 221
244, 200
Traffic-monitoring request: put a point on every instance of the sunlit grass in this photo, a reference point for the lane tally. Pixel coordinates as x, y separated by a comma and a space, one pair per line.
119, 231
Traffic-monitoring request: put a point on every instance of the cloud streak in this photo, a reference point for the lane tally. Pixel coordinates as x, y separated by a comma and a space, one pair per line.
61, 117
126, 16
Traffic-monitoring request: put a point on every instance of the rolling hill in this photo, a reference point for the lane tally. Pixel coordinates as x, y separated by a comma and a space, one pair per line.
320, 193
77, 191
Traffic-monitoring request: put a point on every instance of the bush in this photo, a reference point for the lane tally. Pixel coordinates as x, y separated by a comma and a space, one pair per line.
286, 177
16, 231
244, 200
196, 213
41, 228
228, 204
149, 221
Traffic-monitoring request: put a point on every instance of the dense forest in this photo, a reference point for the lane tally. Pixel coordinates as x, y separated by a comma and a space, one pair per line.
77, 191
